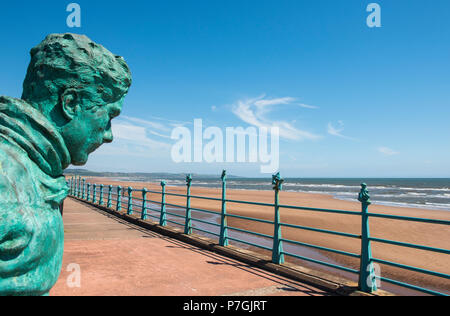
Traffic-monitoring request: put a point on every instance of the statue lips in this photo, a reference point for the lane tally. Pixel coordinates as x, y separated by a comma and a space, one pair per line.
94, 146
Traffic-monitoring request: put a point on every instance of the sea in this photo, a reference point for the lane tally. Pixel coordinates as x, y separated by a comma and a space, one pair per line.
427, 193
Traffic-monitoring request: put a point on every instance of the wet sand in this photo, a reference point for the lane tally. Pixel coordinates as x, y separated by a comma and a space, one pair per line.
432, 235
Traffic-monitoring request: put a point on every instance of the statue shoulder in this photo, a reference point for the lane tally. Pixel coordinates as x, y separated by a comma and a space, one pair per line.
17, 184
9, 100
8, 103
23, 182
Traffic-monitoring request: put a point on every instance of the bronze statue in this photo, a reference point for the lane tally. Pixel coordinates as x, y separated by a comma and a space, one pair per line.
72, 90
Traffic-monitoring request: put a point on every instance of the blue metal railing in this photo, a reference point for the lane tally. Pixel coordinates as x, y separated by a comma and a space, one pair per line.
122, 199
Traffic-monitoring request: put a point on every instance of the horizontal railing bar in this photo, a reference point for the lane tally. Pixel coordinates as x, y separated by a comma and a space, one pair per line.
413, 287
411, 219
250, 218
250, 232
204, 211
175, 205
415, 269
156, 192
321, 230
205, 198
177, 215
154, 201
153, 209
403, 244
175, 194
322, 263
349, 254
319, 210
205, 222
205, 231
249, 202
249, 243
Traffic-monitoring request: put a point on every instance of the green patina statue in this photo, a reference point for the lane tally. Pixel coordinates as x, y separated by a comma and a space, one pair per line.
72, 90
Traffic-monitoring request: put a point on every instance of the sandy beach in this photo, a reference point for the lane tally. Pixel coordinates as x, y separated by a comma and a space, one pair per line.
405, 231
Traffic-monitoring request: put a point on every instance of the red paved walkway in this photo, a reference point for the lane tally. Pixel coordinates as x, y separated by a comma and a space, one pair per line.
117, 258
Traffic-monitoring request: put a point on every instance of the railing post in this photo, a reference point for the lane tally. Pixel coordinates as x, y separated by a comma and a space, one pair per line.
100, 202
88, 193
277, 252
223, 240
79, 187
163, 217
130, 201
94, 193
144, 204
109, 203
84, 190
367, 277
188, 222
71, 186
119, 199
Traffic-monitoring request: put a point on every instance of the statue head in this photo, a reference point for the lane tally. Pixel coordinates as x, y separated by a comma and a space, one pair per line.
79, 86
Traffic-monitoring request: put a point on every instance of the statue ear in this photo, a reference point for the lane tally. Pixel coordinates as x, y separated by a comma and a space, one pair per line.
69, 103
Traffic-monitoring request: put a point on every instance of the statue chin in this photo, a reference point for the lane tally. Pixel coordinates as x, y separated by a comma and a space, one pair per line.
80, 160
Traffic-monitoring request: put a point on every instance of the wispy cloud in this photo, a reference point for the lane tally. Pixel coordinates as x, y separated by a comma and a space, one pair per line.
307, 106
137, 135
254, 112
151, 124
142, 135
337, 131
167, 124
387, 151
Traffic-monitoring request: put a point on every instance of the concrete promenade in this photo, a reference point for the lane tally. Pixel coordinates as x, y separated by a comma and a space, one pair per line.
118, 258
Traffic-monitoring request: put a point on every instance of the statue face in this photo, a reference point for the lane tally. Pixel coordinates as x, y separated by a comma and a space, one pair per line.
89, 129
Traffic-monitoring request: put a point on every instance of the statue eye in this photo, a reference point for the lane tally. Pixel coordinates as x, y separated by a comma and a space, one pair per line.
107, 97
115, 112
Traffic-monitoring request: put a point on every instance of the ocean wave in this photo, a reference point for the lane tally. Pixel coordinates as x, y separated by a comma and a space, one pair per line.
442, 205
391, 195
321, 185
433, 206
424, 189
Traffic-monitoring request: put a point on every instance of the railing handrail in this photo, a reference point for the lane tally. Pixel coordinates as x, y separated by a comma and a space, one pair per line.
86, 191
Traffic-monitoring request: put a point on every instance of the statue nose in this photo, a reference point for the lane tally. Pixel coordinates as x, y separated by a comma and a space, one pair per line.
108, 136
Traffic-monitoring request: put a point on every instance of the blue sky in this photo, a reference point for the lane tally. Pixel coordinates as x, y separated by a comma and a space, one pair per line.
351, 101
